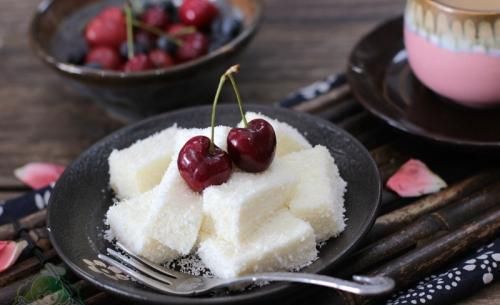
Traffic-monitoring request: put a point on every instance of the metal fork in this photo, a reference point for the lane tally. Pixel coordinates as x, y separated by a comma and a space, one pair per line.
174, 282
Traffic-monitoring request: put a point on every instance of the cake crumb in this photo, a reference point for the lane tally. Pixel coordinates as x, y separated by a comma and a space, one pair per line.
190, 264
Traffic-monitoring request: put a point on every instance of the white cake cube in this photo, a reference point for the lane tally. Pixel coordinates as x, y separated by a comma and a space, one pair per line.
140, 167
288, 139
283, 243
220, 136
176, 213
243, 203
319, 195
128, 221
206, 231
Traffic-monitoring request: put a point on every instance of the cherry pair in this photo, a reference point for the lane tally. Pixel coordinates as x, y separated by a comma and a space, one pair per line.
201, 163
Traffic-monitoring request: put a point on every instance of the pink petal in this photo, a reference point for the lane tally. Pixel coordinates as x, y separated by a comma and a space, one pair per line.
3, 244
10, 253
38, 174
415, 179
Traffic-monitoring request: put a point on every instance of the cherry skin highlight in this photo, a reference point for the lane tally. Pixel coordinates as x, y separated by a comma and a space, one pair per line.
199, 13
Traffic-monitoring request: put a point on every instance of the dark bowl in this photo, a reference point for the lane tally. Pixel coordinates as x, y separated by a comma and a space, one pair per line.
81, 198
56, 29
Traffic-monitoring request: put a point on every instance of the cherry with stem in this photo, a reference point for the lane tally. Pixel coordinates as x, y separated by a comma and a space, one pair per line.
200, 162
252, 148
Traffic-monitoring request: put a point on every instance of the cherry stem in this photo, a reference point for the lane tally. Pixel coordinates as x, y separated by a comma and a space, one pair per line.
130, 33
214, 106
159, 32
238, 98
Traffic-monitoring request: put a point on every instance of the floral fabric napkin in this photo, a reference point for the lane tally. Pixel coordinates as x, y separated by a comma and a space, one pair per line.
459, 281
13, 209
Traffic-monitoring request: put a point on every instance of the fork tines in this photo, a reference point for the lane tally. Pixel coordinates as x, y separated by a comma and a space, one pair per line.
147, 272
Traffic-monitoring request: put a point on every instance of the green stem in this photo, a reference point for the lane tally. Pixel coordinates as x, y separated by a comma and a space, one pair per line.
185, 31
155, 31
238, 98
214, 106
130, 33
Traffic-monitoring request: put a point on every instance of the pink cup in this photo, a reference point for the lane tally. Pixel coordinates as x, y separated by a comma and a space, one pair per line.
455, 51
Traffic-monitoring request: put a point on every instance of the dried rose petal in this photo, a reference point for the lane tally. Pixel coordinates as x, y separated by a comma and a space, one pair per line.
38, 174
3, 244
415, 179
10, 252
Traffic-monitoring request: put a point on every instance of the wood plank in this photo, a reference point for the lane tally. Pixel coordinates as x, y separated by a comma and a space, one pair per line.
4, 195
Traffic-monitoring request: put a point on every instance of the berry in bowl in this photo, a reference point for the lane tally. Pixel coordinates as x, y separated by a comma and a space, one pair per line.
138, 58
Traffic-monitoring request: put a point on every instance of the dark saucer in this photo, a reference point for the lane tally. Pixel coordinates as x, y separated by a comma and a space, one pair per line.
81, 198
381, 79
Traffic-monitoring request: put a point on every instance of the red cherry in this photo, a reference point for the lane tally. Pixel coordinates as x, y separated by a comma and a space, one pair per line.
140, 62
107, 57
105, 32
199, 13
160, 59
252, 148
202, 167
194, 45
155, 16
113, 13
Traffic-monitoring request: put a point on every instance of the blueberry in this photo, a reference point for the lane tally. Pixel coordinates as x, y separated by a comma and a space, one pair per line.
77, 56
231, 27
139, 48
228, 27
170, 8
142, 47
93, 65
124, 50
143, 40
166, 44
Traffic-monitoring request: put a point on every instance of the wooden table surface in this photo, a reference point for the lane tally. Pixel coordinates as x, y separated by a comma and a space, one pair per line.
300, 41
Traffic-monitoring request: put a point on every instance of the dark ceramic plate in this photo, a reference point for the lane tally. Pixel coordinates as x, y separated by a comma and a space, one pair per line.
81, 198
381, 79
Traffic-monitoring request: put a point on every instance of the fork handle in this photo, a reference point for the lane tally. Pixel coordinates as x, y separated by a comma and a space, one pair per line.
361, 285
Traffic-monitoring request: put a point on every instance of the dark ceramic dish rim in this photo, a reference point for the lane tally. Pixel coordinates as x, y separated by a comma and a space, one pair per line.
187, 67
354, 77
277, 288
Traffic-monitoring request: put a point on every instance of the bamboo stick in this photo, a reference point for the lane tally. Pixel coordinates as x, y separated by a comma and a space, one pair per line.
422, 261
101, 298
446, 219
24, 268
375, 137
358, 123
9, 292
394, 220
414, 264
341, 111
37, 219
331, 98
388, 152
